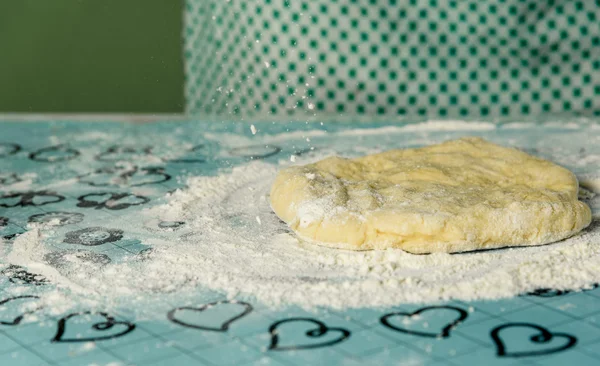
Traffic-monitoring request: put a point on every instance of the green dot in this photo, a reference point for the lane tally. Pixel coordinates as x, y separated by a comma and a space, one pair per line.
556, 94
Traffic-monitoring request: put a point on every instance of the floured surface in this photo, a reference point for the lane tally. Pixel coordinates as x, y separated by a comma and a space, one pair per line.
222, 223
264, 260
137, 243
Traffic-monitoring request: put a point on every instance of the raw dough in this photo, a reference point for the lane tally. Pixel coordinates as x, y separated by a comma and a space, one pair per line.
457, 196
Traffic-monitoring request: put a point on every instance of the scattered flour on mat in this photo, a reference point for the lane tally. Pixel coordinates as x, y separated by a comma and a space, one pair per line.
232, 242
267, 261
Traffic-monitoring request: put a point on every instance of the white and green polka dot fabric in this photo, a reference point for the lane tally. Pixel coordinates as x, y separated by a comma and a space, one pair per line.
390, 58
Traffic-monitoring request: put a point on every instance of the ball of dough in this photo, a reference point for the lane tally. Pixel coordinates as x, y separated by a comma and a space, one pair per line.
461, 195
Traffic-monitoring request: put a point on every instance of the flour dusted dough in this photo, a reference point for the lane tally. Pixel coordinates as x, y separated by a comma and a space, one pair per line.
460, 195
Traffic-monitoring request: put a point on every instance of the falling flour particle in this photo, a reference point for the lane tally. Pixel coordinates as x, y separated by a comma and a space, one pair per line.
253, 129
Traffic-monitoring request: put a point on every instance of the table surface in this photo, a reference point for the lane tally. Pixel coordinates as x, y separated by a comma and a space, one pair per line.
49, 167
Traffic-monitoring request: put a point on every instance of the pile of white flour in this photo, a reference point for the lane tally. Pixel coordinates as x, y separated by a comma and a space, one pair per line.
220, 233
236, 244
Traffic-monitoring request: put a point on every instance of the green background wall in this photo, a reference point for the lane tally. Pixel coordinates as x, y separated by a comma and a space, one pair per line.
91, 56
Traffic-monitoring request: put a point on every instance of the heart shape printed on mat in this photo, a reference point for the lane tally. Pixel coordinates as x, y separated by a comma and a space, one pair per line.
542, 336
443, 333
102, 326
223, 327
17, 320
319, 331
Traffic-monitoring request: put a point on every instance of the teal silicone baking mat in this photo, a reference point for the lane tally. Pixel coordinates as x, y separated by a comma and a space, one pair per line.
83, 180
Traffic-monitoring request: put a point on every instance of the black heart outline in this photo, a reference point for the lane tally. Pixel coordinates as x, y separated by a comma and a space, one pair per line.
74, 237
110, 322
99, 205
18, 319
543, 337
445, 333
125, 149
68, 218
125, 175
321, 330
62, 147
58, 261
19, 275
224, 326
26, 198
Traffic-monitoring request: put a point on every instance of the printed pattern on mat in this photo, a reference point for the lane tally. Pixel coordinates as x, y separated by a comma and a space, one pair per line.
82, 189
